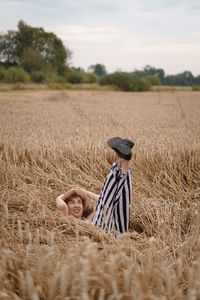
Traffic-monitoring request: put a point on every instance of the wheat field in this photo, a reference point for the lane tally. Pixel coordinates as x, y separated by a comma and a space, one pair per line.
51, 141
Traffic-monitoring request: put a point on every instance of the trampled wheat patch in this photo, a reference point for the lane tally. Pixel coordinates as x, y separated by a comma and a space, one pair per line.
52, 141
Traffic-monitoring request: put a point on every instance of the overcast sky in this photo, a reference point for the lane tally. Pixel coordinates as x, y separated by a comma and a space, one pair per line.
121, 34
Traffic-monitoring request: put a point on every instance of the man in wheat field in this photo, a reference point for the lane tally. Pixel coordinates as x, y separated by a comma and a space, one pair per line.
112, 208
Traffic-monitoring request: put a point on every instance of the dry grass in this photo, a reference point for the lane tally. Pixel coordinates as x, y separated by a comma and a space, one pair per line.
51, 141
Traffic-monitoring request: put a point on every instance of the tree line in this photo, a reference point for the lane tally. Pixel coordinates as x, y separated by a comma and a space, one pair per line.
31, 54
185, 78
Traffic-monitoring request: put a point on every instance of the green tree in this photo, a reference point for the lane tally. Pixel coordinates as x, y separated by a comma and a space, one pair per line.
150, 71
8, 49
197, 80
32, 48
32, 60
98, 69
182, 79
187, 78
154, 80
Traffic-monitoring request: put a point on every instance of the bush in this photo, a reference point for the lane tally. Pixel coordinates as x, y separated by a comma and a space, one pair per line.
17, 86
196, 88
124, 81
68, 85
56, 85
75, 77
38, 76
53, 77
16, 74
144, 85
59, 85
154, 80
90, 78
51, 74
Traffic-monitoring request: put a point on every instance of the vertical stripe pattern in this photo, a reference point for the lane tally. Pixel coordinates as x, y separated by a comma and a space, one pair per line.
112, 209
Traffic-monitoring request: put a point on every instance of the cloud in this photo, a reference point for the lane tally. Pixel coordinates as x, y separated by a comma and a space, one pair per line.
109, 35
119, 50
85, 34
122, 33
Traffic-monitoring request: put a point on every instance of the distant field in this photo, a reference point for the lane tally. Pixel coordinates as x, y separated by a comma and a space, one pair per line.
82, 86
51, 141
